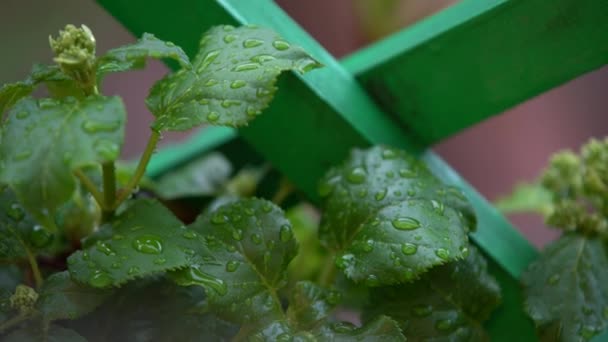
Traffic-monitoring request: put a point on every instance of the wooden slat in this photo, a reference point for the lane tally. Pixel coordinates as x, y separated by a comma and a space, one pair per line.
480, 57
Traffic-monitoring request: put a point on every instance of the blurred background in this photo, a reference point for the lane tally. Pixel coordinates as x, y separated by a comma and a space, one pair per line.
493, 155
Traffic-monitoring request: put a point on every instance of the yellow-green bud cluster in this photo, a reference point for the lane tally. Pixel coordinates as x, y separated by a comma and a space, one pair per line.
24, 299
75, 53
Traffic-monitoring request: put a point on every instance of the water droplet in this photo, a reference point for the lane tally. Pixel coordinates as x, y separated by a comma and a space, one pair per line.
211, 82
46, 103
251, 43
189, 234
115, 265
267, 207
422, 310
22, 155
368, 246
208, 59
213, 116
286, 234
372, 281
381, 194
465, 251
333, 297
406, 173
230, 103
237, 234
280, 45
231, 266
554, 279
218, 218
104, 248
194, 276
438, 206
40, 237
587, 332
442, 253
284, 337
15, 212
106, 149
160, 261
148, 244
409, 248
100, 279
238, 84
389, 154
91, 126
356, 175
444, 324
256, 239
246, 67
229, 38
262, 58
405, 223
22, 115
344, 261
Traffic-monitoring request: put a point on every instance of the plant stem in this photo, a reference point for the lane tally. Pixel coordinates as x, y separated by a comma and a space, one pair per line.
285, 189
35, 269
88, 184
328, 273
14, 321
109, 190
141, 168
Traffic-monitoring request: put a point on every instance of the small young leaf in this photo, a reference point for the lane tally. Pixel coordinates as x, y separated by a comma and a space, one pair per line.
43, 141
449, 303
62, 298
11, 93
232, 79
16, 228
145, 239
250, 244
390, 219
566, 292
310, 304
134, 56
55, 333
527, 197
378, 330
202, 177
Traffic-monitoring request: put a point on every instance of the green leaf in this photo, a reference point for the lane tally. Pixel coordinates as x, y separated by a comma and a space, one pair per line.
378, 330
450, 303
566, 292
44, 140
390, 219
145, 239
62, 298
250, 244
232, 79
312, 257
134, 56
154, 310
55, 333
11, 93
527, 197
310, 304
19, 233
205, 176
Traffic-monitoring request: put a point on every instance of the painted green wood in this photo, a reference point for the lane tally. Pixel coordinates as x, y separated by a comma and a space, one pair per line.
316, 119
480, 57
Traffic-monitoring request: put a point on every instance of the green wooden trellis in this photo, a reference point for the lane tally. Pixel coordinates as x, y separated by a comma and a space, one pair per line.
420, 85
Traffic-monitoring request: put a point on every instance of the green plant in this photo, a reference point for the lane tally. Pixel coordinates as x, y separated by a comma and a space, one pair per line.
566, 292
83, 263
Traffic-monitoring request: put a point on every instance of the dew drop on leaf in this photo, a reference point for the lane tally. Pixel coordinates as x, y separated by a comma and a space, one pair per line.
100, 279
389, 154
91, 126
380, 195
280, 45
444, 324
160, 261
262, 58
232, 266
104, 248
107, 149
213, 116
407, 173
405, 223
256, 239
40, 237
442, 253
237, 234
148, 244
189, 234
368, 246
219, 218
409, 248
251, 43
194, 276
286, 234
356, 175
133, 270
15, 212
236, 84
246, 67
